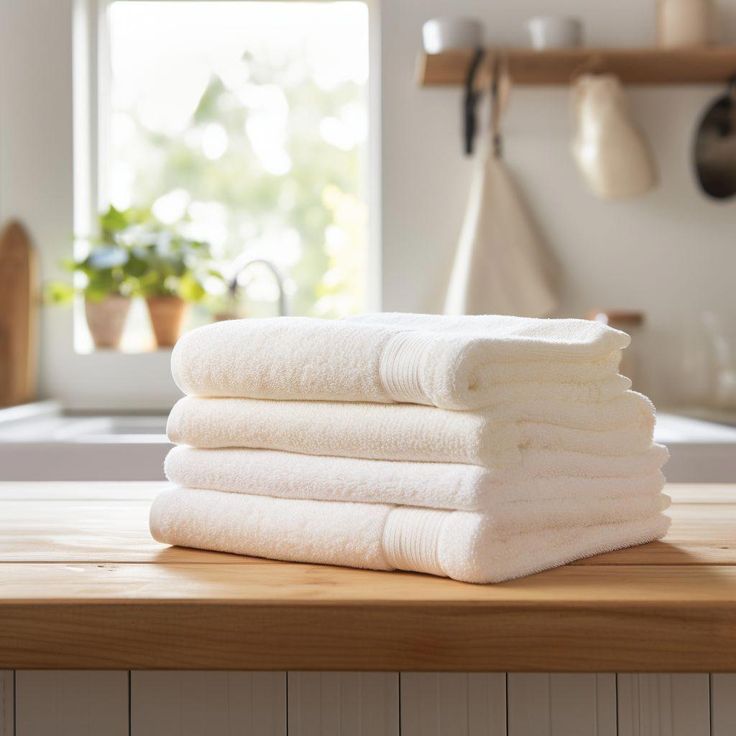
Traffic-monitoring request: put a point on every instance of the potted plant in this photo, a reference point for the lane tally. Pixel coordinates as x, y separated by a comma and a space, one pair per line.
104, 279
170, 272
105, 289
137, 256
106, 300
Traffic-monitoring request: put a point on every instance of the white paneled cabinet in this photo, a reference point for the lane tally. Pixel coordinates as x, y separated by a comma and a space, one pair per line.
71, 703
7, 703
664, 705
62, 703
723, 705
334, 703
561, 705
453, 704
217, 703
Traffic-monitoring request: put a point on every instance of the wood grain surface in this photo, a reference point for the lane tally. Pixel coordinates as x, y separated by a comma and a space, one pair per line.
83, 585
561, 66
18, 315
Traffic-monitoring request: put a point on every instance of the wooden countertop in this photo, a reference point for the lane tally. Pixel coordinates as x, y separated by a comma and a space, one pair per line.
83, 585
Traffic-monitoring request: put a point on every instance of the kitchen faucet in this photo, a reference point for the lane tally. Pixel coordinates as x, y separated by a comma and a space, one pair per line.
234, 286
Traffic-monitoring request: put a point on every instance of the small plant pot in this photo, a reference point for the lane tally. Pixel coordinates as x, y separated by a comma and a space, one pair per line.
106, 320
167, 318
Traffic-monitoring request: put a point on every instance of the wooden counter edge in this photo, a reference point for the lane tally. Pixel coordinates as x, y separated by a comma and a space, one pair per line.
639, 638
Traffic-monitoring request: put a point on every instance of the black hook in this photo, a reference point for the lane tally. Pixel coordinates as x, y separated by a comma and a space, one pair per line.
470, 101
496, 110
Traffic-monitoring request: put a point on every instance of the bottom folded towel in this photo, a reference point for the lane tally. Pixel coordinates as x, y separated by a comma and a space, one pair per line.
462, 545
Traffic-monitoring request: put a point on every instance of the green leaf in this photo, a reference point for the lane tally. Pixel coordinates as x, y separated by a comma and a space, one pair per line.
58, 292
113, 221
190, 289
139, 256
136, 265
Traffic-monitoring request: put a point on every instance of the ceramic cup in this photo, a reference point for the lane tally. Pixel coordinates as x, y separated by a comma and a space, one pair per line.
685, 23
555, 32
442, 34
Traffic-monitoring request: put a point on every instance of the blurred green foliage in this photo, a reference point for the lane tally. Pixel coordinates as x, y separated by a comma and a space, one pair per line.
319, 198
135, 255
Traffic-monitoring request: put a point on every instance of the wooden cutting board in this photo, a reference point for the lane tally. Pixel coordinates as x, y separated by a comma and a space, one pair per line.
18, 316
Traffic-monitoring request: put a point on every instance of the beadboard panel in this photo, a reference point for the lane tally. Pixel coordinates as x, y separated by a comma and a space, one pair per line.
212, 703
71, 703
723, 704
453, 704
338, 703
663, 705
84, 703
7, 702
561, 704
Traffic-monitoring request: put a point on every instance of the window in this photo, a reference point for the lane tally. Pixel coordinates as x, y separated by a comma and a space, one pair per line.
245, 122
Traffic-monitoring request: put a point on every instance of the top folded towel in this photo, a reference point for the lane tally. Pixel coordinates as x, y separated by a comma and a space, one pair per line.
460, 363
573, 331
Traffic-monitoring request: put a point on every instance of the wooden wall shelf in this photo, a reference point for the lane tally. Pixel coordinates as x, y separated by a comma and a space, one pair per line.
559, 66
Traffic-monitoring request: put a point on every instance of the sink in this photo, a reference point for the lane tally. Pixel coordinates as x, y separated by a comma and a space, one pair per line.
700, 451
40, 442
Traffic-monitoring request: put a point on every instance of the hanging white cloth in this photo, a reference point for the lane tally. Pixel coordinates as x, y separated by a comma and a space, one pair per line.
501, 266
610, 151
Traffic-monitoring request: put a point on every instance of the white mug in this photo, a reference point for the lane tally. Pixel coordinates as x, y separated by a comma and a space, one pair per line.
442, 34
555, 32
685, 23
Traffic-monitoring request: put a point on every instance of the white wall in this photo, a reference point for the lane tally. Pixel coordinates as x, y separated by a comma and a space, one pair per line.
671, 253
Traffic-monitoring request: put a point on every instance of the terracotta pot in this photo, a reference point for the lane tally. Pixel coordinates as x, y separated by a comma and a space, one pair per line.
106, 320
167, 318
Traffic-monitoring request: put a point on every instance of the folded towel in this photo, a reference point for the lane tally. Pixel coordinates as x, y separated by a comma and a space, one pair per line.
457, 544
621, 426
547, 464
321, 360
514, 506
481, 324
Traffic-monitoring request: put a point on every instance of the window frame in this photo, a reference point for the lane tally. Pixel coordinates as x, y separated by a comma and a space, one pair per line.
63, 107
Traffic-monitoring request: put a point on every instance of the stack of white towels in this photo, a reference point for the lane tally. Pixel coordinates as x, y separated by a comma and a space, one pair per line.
477, 448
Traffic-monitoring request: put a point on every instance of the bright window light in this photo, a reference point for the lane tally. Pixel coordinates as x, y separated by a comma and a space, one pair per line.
247, 121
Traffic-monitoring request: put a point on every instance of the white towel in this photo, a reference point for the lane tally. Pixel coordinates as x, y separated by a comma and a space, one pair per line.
309, 359
457, 544
548, 464
591, 368
515, 504
576, 331
621, 426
